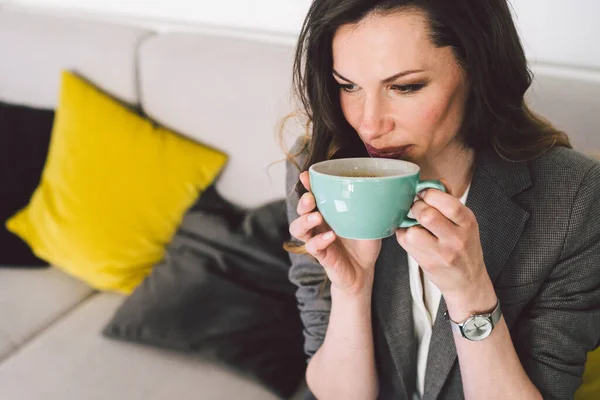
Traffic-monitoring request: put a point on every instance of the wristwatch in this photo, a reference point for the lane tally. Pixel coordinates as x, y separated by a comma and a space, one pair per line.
479, 326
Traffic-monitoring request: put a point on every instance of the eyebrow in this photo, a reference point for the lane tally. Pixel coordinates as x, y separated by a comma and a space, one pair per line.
386, 80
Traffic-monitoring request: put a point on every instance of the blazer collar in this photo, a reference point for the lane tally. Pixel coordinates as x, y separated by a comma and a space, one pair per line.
392, 304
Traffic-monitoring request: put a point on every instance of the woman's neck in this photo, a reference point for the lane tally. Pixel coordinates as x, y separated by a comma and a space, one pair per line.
454, 167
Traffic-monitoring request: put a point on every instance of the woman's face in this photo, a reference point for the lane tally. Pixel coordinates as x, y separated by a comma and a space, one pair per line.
404, 96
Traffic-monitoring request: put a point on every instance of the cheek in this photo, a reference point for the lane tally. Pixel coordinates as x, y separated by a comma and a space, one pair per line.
432, 115
423, 114
433, 112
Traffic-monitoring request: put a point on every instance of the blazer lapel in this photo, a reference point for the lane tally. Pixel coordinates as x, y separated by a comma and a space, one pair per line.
501, 222
392, 304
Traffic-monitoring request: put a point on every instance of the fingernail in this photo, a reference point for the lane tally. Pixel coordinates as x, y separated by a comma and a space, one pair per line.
313, 218
328, 235
422, 194
306, 200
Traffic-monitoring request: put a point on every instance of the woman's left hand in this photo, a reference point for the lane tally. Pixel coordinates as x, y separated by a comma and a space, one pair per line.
448, 249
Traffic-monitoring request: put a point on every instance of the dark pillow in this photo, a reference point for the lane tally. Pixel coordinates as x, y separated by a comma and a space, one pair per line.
223, 293
24, 140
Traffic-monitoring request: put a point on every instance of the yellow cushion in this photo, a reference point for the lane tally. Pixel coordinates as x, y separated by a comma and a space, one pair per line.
113, 191
590, 389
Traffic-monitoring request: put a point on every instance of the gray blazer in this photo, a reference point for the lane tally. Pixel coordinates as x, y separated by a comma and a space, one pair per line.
539, 223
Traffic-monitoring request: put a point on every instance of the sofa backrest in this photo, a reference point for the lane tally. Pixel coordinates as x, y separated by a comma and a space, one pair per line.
228, 93
35, 47
570, 99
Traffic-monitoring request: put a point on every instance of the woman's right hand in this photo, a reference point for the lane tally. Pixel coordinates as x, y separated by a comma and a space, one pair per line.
349, 264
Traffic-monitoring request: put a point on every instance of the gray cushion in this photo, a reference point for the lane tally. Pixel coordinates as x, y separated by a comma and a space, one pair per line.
31, 300
223, 293
72, 361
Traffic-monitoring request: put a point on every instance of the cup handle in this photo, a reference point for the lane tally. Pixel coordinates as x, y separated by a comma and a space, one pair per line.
422, 185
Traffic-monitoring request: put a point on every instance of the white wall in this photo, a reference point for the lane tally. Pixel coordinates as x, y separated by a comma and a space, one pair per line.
281, 16
563, 32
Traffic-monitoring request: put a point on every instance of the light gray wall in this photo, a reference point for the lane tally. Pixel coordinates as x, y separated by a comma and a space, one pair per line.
554, 31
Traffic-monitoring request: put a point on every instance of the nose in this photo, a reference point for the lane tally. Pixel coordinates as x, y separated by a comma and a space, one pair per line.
374, 122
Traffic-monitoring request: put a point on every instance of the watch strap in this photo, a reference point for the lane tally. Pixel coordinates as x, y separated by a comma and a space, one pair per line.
495, 315
456, 328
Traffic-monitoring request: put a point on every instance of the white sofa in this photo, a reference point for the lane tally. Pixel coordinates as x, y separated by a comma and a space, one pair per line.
225, 91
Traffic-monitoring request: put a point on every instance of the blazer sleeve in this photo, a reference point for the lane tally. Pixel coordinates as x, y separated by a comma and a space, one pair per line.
562, 324
313, 291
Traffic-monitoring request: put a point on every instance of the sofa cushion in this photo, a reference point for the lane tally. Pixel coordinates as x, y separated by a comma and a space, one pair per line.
47, 44
223, 293
570, 102
229, 93
113, 191
24, 138
6, 345
30, 300
590, 388
71, 360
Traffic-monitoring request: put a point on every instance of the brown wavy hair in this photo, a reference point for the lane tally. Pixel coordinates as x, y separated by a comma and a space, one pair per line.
486, 45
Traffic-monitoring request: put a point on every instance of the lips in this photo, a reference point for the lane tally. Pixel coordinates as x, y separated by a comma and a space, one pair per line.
388, 152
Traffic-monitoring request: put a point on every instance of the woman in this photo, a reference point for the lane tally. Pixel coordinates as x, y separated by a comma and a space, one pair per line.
441, 83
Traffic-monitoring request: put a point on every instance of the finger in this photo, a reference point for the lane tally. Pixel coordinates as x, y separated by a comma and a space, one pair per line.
445, 183
306, 204
301, 227
422, 255
416, 240
448, 205
317, 245
305, 179
433, 220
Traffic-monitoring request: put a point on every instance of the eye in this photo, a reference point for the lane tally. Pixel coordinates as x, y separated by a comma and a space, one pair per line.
347, 87
407, 89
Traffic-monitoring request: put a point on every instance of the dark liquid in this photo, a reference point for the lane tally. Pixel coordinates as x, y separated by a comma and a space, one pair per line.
360, 175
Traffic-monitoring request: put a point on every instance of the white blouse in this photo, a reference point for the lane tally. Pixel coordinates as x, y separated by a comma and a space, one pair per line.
425, 303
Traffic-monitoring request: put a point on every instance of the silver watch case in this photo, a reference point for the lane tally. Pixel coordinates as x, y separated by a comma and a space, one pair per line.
478, 327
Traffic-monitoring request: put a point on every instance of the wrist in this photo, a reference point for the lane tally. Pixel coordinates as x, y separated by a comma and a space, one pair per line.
480, 299
361, 295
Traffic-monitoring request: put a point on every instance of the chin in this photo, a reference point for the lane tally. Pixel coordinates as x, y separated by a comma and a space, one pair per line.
408, 155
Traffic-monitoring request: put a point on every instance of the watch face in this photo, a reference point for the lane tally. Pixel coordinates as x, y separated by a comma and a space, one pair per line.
477, 328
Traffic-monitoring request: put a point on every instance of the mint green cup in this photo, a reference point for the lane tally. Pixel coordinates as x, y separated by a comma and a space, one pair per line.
367, 198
